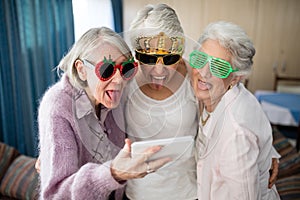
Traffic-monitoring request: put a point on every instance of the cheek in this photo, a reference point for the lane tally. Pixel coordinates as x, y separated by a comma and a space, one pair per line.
98, 92
145, 72
194, 73
171, 70
227, 81
194, 76
92, 80
145, 69
95, 86
219, 87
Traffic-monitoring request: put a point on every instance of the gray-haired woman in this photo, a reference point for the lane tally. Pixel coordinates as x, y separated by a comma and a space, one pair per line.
81, 131
234, 143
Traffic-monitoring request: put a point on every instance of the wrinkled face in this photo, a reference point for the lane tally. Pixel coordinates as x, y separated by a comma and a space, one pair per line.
106, 92
210, 89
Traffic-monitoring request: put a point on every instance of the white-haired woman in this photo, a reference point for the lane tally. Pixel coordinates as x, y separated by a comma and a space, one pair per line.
234, 143
81, 132
160, 102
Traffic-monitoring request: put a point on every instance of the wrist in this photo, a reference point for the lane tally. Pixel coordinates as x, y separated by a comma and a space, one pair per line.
116, 177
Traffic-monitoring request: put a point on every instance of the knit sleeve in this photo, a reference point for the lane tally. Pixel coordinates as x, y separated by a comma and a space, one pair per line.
66, 172
62, 176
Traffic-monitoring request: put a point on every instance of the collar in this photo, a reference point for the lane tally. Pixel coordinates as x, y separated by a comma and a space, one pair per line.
84, 106
208, 141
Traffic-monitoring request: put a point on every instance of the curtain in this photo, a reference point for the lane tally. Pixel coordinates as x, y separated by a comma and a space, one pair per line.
117, 7
34, 35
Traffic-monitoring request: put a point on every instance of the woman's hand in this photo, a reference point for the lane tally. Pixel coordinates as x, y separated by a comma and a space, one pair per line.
273, 172
38, 165
124, 167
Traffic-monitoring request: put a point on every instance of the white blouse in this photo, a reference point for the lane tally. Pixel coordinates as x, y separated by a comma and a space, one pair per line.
234, 150
148, 119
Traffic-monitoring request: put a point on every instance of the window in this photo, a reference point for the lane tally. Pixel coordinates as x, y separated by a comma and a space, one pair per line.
91, 13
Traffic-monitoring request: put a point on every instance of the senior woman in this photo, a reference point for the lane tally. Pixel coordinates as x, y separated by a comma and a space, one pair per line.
234, 143
160, 103
80, 127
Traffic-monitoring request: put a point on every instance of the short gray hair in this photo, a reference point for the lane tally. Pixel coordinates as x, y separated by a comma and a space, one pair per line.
83, 48
235, 40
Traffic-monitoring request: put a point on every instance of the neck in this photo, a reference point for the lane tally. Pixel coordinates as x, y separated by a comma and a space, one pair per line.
209, 105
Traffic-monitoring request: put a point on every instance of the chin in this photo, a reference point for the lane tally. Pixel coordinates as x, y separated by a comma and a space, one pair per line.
111, 105
202, 94
199, 97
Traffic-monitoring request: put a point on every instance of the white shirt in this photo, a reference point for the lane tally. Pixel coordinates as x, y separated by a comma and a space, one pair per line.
234, 150
149, 119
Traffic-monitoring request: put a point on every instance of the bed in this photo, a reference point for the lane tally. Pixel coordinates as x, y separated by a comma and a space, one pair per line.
282, 104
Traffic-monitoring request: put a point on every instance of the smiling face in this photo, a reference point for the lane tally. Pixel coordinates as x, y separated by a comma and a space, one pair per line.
159, 75
159, 58
210, 89
109, 92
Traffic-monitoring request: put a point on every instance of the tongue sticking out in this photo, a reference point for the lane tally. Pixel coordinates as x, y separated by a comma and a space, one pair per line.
158, 82
114, 95
202, 85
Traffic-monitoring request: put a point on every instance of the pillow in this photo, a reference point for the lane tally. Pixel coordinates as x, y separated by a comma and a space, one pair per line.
7, 155
21, 179
290, 159
289, 187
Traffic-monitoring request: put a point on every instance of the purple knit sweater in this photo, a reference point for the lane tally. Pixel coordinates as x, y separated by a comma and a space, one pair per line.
69, 168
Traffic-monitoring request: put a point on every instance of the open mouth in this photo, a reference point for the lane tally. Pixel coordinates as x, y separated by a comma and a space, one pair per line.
202, 85
158, 80
114, 95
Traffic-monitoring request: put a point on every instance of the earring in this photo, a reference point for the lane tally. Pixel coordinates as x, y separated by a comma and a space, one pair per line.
230, 87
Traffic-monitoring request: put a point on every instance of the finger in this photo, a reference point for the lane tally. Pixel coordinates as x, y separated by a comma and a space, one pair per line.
146, 154
126, 151
156, 164
271, 179
273, 173
150, 152
127, 146
271, 183
38, 165
275, 166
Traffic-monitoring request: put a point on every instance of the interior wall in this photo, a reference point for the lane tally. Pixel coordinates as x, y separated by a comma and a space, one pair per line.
273, 25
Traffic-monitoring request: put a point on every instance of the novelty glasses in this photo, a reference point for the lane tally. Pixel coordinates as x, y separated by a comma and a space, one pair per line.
107, 68
218, 67
152, 59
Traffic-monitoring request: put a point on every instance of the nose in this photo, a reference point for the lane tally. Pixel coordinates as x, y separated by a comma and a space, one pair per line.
117, 77
159, 66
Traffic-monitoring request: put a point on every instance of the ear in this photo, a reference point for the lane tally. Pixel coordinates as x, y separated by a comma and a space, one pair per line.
81, 70
235, 80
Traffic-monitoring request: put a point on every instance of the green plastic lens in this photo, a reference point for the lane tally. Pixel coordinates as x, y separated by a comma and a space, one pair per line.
218, 67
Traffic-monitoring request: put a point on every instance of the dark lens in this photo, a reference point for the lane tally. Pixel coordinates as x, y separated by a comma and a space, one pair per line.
146, 58
171, 59
128, 70
106, 70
